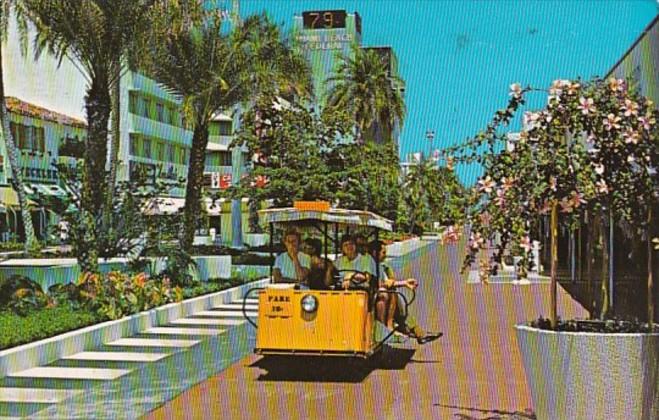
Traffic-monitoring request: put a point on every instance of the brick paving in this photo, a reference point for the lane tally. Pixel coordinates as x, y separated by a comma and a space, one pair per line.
474, 372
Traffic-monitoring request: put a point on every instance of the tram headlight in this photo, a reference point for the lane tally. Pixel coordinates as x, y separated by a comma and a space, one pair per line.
309, 303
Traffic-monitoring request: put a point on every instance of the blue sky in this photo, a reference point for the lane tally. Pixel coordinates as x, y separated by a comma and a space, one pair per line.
459, 57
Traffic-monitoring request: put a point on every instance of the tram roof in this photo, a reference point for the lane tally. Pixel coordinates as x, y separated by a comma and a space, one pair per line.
333, 215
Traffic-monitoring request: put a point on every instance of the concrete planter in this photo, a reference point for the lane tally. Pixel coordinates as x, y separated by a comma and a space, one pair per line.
575, 375
45, 351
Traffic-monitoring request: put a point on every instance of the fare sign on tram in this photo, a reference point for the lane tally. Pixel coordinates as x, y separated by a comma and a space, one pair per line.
279, 305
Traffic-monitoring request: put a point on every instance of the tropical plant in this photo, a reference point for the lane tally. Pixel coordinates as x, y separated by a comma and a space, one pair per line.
190, 54
594, 147
362, 86
93, 35
12, 152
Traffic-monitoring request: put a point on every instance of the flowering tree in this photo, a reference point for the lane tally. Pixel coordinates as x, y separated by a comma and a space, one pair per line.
593, 147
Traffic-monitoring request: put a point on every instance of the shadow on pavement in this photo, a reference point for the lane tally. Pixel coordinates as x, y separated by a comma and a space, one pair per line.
491, 414
330, 369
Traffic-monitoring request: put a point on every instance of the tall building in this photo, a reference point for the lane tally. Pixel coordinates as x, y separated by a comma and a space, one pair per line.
326, 35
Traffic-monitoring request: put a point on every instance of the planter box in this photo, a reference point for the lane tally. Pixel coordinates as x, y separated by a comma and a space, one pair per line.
256, 239
45, 351
574, 375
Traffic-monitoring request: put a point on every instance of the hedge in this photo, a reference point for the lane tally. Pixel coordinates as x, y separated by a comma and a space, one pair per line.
16, 330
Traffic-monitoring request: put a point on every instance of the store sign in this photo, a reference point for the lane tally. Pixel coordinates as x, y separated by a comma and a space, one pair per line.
220, 181
325, 42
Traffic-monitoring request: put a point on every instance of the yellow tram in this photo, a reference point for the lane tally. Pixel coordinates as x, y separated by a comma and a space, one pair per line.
338, 322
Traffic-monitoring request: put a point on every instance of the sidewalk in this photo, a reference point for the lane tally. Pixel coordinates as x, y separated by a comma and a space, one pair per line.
474, 371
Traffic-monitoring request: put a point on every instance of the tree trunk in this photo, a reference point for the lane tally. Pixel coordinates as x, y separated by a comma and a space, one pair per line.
650, 280
194, 184
17, 176
604, 274
554, 263
114, 150
97, 106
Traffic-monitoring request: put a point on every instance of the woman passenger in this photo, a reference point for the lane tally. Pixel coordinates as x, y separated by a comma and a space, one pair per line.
321, 270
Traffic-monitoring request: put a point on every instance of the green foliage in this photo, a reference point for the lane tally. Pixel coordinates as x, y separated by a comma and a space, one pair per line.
430, 194
16, 330
22, 295
116, 294
363, 88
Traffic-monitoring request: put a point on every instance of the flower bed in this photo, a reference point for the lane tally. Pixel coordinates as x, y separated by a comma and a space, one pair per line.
117, 299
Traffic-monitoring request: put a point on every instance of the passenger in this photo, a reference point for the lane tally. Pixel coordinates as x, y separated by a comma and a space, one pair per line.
354, 266
322, 270
292, 265
362, 244
389, 306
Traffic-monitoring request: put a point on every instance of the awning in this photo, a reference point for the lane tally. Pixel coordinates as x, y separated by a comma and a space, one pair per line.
217, 147
9, 198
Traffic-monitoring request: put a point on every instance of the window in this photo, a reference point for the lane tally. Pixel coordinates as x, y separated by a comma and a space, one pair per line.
39, 135
225, 158
134, 139
147, 108
160, 112
225, 128
132, 102
147, 148
170, 153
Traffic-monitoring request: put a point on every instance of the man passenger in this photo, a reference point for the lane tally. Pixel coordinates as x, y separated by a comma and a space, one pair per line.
293, 265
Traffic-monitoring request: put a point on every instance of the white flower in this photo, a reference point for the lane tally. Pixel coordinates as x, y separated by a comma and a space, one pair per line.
646, 122
601, 187
486, 184
515, 90
525, 244
630, 107
631, 159
586, 105
599, 169
631, 136
573, 88
611, 122
616, 85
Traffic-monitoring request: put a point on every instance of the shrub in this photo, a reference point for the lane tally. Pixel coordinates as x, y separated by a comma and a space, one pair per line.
16, 330
21, 295
116, 294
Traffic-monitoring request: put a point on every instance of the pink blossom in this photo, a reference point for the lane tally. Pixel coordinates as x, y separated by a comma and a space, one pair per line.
500, 199
630, 107
586, 106
611, 121
646, 122
486, 184
507, 183
567, 206
485, 218
601, 187
577, 199
616, 85
516, 90
631, 136
573, 88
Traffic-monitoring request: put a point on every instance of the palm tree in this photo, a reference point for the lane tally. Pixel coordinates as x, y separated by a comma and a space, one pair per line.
93, 35
211, 71
362, 85
12, 151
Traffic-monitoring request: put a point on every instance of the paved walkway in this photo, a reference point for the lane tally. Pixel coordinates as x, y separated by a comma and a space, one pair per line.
474, 372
